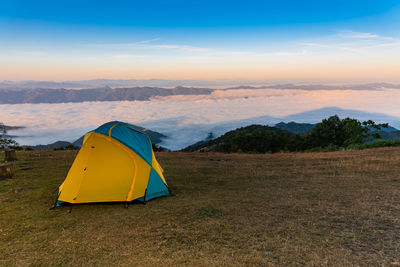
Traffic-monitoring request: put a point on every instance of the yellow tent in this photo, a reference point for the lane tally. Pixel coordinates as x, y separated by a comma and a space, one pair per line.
115, 163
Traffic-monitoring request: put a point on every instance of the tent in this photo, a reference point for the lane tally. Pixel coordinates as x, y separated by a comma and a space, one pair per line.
115, 163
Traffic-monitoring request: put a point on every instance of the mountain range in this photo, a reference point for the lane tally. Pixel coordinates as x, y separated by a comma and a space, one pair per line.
96, 83
116, 90
290, 86
246, 84
39, 95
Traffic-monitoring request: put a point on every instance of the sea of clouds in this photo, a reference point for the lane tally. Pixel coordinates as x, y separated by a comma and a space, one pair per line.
186, 119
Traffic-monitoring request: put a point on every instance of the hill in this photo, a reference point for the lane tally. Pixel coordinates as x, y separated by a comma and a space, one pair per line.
316, 115
253, 138
335, 209
294, 127
55, 145
332, 133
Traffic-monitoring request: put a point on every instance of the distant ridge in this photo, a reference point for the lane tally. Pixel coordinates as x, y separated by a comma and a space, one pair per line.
315, 115
230, 83
120, 90
99, 94
290, 86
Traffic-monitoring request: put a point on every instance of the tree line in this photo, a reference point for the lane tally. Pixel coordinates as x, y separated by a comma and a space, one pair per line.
330, 134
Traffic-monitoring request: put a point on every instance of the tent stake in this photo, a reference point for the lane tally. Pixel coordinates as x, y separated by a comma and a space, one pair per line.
55, 203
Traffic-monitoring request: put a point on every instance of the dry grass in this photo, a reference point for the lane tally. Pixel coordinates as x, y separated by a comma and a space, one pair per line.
337, 208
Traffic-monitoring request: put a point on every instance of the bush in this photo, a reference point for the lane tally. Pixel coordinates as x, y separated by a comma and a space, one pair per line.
68, 147
376, 143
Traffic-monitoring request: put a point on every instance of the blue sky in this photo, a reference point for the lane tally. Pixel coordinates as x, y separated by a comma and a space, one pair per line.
170, 14
64, 40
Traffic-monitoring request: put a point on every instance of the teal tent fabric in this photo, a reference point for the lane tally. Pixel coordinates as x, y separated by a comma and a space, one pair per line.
155, 187
105, 128
129, 136
135, 140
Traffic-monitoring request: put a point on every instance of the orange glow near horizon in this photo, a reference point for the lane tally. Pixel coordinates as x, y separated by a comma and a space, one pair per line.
379, 62
62, 72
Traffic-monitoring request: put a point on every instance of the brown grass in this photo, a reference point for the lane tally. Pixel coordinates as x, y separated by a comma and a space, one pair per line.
337, 208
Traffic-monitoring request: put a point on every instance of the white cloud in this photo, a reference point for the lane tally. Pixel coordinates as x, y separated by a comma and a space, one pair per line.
35, 53
354, 42
359, 35
188, 119
126, 56
146, 45
148, 41
149, 48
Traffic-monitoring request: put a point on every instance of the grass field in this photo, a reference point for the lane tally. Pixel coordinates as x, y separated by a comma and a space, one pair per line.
336, 208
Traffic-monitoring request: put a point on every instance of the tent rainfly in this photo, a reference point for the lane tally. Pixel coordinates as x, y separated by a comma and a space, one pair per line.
116, 163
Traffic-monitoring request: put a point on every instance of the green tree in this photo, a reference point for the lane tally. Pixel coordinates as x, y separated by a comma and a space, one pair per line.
158, 148
334, 132
5, 141
257, 139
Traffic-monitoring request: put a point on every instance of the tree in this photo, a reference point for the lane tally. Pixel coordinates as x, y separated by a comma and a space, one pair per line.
256, 139
341, 133
5, 141
371, 125
158, 148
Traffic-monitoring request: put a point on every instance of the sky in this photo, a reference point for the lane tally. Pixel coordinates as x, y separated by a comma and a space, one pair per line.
254, 40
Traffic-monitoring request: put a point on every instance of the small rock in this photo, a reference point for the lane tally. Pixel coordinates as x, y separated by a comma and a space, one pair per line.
6, 170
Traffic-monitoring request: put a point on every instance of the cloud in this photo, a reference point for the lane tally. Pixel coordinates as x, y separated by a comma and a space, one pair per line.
188, 119
192, 51
358, 35
126, 56
148, 41
35, 53
147, 45
355, 42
